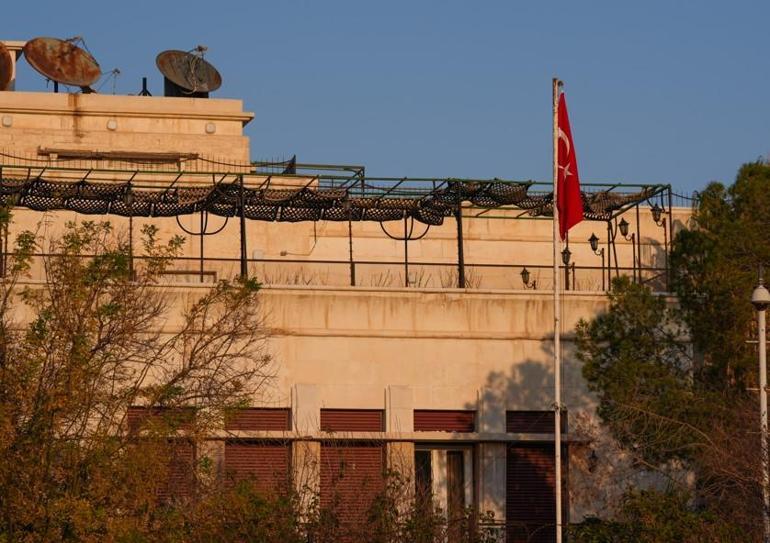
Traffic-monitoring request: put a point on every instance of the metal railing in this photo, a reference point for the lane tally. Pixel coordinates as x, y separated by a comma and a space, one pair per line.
382, 274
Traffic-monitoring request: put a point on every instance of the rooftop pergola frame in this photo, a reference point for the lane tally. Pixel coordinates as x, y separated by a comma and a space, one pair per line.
294, 192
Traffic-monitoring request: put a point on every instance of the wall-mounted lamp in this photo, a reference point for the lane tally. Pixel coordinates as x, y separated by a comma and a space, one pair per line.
525, 279
594, 242
623, 227
657, 212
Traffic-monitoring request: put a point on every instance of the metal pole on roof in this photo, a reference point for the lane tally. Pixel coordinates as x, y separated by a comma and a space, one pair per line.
406, 253
242, 206
130, 233
460, 253
609, 256
350, 245
202, 230
671, 238
639, 244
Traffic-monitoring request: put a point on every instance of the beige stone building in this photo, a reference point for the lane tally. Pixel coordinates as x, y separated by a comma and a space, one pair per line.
374, 337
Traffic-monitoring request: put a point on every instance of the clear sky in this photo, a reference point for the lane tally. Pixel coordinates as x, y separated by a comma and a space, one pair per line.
658, 91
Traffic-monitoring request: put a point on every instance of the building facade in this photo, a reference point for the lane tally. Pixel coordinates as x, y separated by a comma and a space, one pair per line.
430, 355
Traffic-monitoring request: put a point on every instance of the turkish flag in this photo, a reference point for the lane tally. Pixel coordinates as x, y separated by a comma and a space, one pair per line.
569, 203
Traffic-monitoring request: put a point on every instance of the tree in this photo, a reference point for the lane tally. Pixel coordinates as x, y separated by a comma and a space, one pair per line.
110, 384
78, 351
676, 379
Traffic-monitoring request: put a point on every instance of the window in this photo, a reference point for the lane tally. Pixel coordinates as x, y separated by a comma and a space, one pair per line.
442, 420
423, 478
532, 422
156, 425
444, 475
258, 418
262, 462
351, 470
352, 420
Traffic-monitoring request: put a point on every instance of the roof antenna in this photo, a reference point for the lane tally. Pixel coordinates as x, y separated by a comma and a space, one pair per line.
144, 91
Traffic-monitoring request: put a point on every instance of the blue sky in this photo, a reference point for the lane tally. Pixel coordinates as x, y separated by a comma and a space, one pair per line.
671, 92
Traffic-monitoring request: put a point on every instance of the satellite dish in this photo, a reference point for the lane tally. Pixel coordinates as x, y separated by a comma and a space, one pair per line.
6, 68
62, 61
188, 74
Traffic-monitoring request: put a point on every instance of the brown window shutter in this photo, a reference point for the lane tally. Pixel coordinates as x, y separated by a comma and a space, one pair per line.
351, 477
352, 420
180, 474
258, 418
167, 418
532, 422
434, 420
264, 463
530, 508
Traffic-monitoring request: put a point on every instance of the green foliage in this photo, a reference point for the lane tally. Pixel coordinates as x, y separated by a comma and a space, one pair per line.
637, 362
102, 335
398, 515
675, 408
77, 351
715, 267
658, 517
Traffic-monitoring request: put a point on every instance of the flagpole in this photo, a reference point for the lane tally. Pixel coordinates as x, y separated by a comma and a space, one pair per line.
556, 313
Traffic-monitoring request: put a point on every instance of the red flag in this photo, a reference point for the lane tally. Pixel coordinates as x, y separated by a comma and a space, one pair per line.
570, 203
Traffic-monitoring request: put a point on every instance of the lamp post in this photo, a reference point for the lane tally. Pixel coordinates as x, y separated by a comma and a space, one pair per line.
594, 241
623, 226
760, 299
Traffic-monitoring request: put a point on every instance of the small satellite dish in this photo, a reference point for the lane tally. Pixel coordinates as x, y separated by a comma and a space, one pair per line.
6, 67
188, 74
63, 62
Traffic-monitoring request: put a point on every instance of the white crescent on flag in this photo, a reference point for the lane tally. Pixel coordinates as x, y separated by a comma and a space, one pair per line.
563, 137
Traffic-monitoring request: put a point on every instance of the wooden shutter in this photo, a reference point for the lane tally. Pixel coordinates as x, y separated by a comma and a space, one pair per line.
532, 422
352, 420
351, 477
165, 418
258, 418
455, 471
264, 463
530, 508
180, 453
351, 472
180, 471
434, 420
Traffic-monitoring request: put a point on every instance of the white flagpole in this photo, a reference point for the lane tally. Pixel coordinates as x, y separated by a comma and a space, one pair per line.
556, 313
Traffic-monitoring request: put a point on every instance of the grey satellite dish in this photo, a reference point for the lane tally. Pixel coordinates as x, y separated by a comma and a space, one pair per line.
187, 74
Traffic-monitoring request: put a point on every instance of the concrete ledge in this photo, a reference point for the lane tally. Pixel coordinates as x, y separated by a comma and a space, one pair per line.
412, 437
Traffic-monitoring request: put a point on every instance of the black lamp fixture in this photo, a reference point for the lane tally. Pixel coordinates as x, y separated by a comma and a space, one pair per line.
657, 211
593, 461
594, 241
525, 279
565, 256
623, 227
